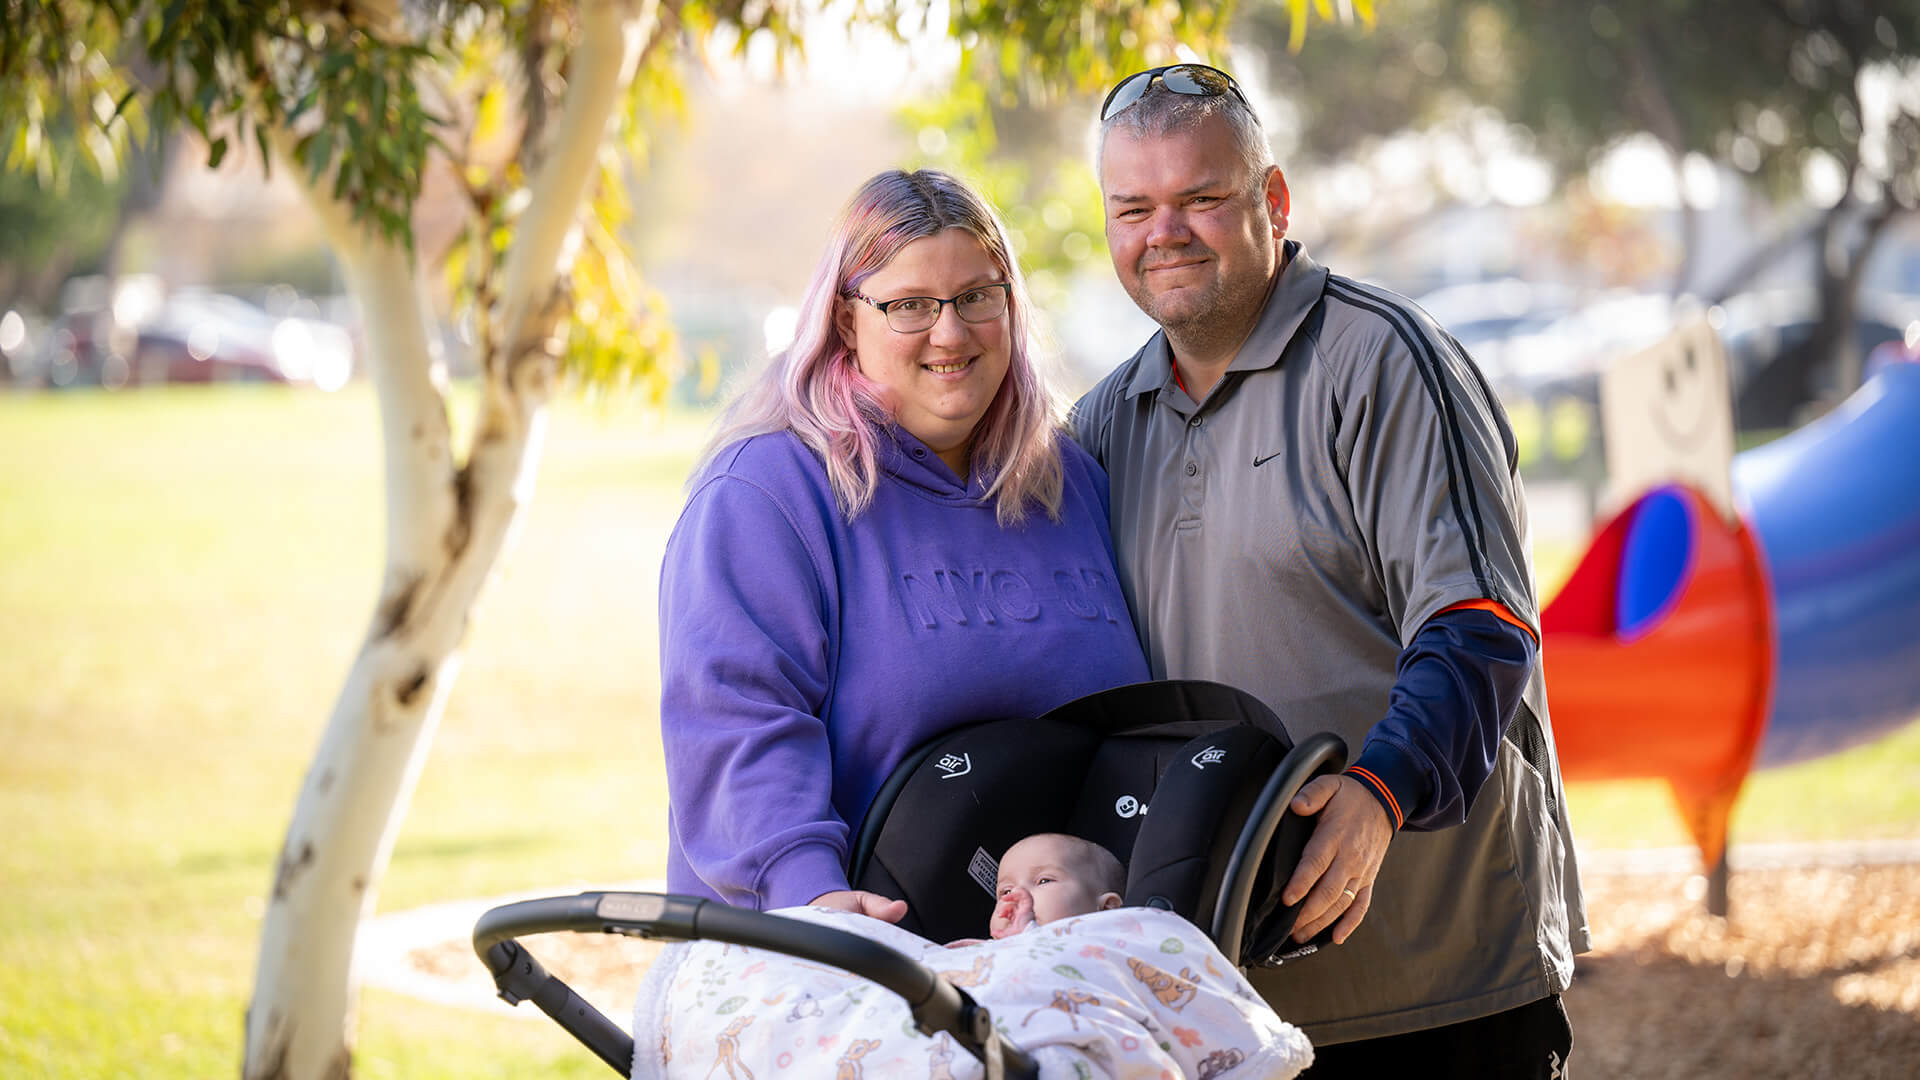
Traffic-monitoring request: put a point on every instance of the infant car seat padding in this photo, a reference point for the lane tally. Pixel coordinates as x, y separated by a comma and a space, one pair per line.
1184, 855
976, 792
936, 836
1090, 768
1182, 707
1199, 807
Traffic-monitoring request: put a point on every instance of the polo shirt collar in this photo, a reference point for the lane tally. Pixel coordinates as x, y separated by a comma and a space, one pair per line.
1293, 295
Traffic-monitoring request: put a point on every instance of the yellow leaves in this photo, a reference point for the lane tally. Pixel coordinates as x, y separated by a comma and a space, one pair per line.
610, 206
707, 364
1345, 12
454, 267
489, 115
619, 336
101, 152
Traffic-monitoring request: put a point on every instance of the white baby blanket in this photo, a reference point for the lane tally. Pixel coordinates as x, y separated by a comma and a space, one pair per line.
1129, 994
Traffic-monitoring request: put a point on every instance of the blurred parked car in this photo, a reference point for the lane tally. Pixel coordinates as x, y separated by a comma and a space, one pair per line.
1561, 363
211, 337
1497, 310
18, 333
195, 336
1766, 331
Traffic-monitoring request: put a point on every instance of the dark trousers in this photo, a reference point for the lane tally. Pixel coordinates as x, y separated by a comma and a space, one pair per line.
1527, 1043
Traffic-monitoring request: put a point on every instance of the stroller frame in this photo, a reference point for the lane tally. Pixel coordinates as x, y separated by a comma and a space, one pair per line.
935, 1004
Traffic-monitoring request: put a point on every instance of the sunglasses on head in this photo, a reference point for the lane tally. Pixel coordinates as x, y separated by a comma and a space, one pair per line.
1194, 80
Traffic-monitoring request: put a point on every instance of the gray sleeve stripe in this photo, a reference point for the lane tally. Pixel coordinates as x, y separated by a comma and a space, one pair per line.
1454, 444
1508, 447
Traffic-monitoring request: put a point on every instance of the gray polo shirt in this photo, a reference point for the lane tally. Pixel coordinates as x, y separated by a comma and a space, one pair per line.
1351, 476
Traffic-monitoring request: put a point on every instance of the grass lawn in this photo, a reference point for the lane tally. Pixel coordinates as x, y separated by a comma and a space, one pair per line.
184, 576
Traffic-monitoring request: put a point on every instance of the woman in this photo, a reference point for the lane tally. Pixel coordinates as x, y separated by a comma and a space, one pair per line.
887, 538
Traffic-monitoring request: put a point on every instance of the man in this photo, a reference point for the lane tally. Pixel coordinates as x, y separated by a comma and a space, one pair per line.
1314, 499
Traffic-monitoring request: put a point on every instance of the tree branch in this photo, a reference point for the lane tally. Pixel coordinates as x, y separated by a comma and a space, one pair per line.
521, 358
381, 276
533, 97
603, 63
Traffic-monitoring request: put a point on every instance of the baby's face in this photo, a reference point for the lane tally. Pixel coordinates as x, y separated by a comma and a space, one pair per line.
1040, 881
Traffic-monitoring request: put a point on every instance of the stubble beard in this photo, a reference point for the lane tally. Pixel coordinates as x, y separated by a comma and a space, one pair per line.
1207, 320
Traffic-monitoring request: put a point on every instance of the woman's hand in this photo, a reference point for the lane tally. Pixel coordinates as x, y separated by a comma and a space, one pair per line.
860, 902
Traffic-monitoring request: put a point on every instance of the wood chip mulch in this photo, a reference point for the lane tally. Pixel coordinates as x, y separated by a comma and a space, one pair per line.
1815, 973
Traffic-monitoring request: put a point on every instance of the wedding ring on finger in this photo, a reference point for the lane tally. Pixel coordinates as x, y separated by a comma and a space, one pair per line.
1349, 894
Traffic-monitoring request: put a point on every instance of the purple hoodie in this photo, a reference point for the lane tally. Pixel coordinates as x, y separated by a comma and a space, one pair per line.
802, 657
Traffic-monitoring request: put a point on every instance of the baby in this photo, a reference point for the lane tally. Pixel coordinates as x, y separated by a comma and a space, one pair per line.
1050, 876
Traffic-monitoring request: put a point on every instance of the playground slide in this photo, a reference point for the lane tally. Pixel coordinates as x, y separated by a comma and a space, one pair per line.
1836, 506
1689, 648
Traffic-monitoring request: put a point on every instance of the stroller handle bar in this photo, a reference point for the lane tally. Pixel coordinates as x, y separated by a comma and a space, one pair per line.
1317, 754
936, 1004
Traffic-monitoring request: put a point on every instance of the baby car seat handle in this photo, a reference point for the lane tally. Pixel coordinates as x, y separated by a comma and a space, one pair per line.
936, 1004
1316, 755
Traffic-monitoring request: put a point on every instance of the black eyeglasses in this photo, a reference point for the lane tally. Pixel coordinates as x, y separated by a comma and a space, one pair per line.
913, 314
1194, 80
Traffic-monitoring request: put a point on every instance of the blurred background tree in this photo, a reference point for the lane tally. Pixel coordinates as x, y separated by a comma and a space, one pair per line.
1769, 90
46, 240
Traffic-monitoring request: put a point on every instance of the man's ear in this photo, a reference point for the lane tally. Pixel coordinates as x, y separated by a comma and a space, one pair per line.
843, 322
1279, 202
1109, 901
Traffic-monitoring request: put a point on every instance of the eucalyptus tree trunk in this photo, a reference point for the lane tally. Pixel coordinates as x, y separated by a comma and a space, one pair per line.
448, 522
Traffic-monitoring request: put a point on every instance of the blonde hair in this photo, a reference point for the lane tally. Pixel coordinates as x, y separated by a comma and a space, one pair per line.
815, 390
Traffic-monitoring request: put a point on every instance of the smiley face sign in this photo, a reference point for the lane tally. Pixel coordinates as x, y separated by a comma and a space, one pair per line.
1667, 413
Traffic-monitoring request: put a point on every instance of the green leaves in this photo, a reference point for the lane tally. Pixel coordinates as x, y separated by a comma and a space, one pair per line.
227, 69
54, 66
1036, 52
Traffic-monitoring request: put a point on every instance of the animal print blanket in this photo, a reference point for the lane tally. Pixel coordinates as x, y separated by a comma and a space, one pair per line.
1129, 994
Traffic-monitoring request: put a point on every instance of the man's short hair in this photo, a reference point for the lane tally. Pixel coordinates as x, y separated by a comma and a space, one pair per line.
1161, 112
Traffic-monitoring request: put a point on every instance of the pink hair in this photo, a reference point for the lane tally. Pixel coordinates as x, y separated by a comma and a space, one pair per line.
814, 389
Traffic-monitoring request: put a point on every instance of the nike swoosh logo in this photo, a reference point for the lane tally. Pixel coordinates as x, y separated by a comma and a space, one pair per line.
1259, 461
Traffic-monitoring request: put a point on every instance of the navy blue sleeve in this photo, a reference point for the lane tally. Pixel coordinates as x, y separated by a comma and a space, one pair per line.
1459, 682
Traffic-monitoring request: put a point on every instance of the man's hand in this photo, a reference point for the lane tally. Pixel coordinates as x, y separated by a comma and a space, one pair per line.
860, 902
1343, 857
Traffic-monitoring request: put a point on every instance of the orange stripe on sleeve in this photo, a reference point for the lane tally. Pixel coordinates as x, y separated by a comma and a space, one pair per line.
1497, 610
1399, 818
